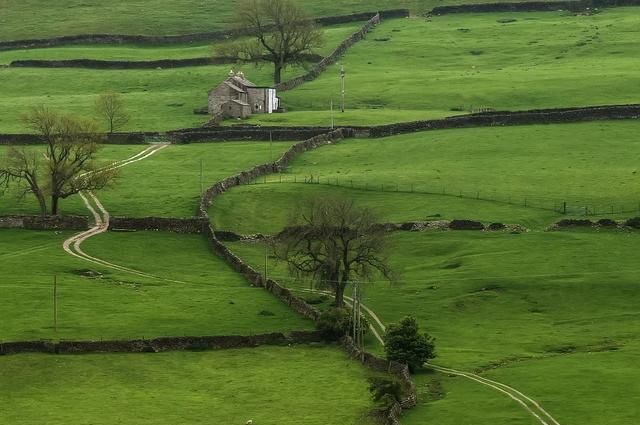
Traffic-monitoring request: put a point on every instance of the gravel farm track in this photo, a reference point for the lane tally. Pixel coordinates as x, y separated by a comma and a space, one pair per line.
101, 219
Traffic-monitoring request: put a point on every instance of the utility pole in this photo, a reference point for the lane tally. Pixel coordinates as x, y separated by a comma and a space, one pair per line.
201, 176
270, 146
358, 332
55, 304
332, 121
266, 259
342, 86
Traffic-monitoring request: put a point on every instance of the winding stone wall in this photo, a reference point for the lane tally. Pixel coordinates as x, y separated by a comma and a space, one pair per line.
400, 371
331, 59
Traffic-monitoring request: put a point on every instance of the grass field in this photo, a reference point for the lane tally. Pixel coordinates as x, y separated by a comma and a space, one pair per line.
333, 35
522, 164
165, 184
21, 19
157, 99
211, 300
549, 307
271, 385
494, 60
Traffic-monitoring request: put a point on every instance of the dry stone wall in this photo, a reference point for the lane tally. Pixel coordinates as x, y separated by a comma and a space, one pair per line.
173, 39
37, 222
490, 119
399, 370
531, 6
157, 345
167, 224
120, 64
317, 69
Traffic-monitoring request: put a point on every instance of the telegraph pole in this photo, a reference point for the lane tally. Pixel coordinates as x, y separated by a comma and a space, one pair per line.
55, 304
332, 121
342, 86
201, 176
270, 146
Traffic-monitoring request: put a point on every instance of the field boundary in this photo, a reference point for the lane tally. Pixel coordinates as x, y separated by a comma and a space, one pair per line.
38, 222
337, 53
124, 64
298, 304
218, 134
220, 35
508, 118
161, 344
533, 6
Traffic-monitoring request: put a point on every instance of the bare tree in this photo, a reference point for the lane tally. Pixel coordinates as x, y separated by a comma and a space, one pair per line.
22, 166
66, 167
334, 242
281, 32
112, 108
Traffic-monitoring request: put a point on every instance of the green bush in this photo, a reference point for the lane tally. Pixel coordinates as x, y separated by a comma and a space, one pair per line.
385, 391
405, 344
335, 323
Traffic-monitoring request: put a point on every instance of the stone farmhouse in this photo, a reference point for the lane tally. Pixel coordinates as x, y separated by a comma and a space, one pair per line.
237, 97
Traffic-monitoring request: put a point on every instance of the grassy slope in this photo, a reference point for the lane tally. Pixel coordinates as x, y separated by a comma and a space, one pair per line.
333, 36
265, 384
507, 163
498, 299
157, 99
213, 300
22, 19
165, 184
437, 66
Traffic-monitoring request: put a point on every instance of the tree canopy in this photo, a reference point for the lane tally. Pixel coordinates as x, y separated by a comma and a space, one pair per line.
280, 31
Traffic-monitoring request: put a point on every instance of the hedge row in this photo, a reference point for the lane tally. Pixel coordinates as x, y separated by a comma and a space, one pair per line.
174, 39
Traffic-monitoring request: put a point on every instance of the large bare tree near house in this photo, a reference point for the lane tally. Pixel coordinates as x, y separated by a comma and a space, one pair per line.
281, 32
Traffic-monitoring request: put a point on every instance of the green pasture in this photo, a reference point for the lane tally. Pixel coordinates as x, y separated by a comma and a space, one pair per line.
269, 385
520, 174
195, 292
157, 99
167, 183
545, 312
333, 36
24, 19
464, 62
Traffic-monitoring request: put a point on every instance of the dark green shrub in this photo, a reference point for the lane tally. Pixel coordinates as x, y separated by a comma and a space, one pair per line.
335, 323
405, 344
384, 390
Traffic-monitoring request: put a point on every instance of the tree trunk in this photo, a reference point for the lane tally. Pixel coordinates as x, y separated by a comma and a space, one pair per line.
54, 204
277, 73
42, 203
339, 301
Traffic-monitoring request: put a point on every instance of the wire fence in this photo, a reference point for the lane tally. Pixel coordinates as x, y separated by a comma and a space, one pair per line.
569, 205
